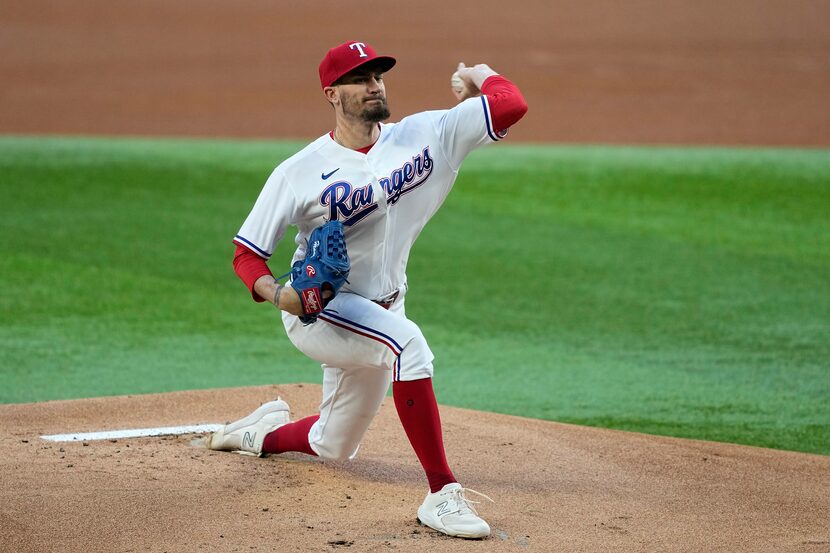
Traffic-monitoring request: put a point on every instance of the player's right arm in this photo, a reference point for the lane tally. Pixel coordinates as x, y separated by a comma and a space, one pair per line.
254, 272
265, 225
283, 297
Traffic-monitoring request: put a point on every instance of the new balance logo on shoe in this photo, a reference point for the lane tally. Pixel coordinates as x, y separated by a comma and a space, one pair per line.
248, 440
443, 509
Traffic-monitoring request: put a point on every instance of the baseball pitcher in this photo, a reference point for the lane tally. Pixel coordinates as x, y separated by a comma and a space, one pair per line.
359, 196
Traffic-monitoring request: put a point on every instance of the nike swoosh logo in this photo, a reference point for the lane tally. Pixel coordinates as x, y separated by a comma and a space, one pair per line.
327, 175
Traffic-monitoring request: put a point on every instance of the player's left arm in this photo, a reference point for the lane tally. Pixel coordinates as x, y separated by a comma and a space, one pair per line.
505, 100
490, 104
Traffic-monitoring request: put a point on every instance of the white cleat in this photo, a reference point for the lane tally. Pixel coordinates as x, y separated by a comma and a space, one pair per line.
448, 511
247, 434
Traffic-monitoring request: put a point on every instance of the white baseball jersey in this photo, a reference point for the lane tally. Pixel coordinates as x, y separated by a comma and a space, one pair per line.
383, 198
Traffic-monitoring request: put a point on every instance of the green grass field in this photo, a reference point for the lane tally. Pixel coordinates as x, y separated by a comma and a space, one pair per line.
683, 292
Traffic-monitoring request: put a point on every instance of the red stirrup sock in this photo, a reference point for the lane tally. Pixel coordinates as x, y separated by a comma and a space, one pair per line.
418, 411
290, 437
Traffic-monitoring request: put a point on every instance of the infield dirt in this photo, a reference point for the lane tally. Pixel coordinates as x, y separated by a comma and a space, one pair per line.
556, 487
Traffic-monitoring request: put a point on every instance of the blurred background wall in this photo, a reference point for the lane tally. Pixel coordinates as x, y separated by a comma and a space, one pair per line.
602, 71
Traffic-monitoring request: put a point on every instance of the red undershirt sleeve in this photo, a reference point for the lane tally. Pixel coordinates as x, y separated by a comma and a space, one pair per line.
507, 105
249, 267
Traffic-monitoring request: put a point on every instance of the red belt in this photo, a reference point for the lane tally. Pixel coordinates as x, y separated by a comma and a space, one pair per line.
387, 302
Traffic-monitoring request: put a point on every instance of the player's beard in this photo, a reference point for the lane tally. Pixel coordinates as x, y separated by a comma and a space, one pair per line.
370, 112
377, 112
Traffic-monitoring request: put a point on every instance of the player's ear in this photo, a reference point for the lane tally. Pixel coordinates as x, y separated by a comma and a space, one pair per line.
332, 95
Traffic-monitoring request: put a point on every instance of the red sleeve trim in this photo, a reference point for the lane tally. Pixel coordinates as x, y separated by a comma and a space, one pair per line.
507, 105
249, 267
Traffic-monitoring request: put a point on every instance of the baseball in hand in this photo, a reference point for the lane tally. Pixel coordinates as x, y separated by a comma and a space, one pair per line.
456, 83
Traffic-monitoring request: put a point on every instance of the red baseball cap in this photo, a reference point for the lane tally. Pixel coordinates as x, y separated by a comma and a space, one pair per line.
349, 55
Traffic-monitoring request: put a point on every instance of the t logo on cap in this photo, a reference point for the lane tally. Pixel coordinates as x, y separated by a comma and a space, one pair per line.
341, 59
359, 46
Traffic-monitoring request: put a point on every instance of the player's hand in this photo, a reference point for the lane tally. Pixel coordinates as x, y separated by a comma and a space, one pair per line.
290, 300
472, 78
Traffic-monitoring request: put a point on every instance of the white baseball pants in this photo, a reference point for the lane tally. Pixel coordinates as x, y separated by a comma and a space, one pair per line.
362, 348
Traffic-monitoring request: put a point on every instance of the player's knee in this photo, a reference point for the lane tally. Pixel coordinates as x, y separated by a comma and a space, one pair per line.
414, 341
334, 454
415, 359
339, 438
338, 451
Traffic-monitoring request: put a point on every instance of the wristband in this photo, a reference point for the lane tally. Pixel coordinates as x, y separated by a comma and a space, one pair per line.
277, 295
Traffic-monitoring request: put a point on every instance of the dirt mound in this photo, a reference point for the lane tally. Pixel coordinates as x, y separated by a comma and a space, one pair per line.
556, 487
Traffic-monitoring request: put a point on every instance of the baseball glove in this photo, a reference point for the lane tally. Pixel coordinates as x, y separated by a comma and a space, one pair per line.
325, 267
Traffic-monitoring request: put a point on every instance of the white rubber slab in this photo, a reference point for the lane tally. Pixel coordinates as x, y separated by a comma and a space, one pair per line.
133, 433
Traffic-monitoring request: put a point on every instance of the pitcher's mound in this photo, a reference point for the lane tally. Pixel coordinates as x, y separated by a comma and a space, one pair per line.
556, 487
